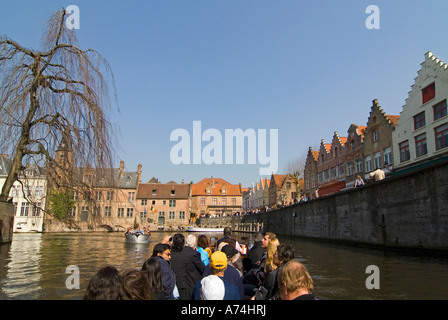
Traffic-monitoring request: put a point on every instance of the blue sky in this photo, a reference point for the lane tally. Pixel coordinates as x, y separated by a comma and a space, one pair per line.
306, 68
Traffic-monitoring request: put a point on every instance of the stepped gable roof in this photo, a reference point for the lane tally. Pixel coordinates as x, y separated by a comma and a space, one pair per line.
391, 119
342, 140
215, 186
278, 179
163, 191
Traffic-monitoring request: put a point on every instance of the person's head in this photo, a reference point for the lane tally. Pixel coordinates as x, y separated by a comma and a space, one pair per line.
212, 288
203, 241
258, 236
105, 285
218, 262
227, 232
136, 286
178, 242
191, 241
267, 237
162, 250
294, 280
270, 251
284, 253
153, 271
231, 253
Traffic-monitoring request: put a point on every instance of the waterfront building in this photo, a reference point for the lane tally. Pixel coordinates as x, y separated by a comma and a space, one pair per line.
283, 188
331, 165
215, 197
378, 146
164, 205
353, 154
28, 195
310, 173
421, 132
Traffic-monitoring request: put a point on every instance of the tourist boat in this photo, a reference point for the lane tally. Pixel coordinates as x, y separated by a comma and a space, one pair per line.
137, 237
203, 229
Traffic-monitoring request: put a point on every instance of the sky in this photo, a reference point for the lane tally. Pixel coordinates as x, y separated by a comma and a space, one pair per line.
303, 69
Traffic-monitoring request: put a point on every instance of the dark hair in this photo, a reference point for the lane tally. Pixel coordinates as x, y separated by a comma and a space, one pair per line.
153, 271
136, 286
227, 231
285, 252
178, 242
160, 248
105, 285
203, 241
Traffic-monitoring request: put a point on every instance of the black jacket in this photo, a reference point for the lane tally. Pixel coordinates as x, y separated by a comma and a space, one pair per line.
188, 267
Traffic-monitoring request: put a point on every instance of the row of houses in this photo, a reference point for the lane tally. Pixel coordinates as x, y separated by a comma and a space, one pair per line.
390, 142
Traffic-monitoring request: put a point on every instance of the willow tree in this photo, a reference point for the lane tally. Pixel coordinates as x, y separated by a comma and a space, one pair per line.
55, 94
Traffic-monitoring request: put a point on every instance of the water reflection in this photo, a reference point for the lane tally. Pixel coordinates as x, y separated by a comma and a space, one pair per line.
34, 266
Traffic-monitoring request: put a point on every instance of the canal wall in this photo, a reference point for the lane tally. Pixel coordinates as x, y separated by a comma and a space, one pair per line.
408, 209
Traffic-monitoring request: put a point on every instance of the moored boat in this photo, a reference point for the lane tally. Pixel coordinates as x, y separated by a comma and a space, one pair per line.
203, 229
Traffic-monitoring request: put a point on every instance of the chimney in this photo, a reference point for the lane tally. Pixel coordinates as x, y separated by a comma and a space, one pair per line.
139, 173
121, 169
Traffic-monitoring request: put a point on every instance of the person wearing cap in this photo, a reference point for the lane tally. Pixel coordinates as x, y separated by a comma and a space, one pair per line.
231, 274
209, 288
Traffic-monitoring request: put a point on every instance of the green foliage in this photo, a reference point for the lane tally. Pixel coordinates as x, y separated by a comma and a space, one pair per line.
61, 203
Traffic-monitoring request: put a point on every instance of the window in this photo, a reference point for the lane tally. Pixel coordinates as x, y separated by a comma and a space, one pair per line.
39, 191
72, 212
404, 151
131, 196
24, 209
173, 192
326, 175
172, 204
358, 165
349, 168
171, 215
120, 212
110, 195
154, 192
428, 92
439, 110
368, 163
341, 172
182, 215
214, 201
107, 211
224, 201
387, 156
441, 136
202, 201
98, 195
144, 202
129, 212
375, 135
352, 143
377, 159
161, 214
36, 210
233, 201
419, 120
420, 145
84, 213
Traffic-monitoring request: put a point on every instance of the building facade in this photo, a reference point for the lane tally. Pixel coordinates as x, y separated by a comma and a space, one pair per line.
421, 132
215, 197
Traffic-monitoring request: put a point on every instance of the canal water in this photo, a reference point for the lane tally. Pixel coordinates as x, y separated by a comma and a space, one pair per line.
34, 266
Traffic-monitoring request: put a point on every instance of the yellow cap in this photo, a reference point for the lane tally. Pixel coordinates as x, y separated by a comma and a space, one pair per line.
218, 260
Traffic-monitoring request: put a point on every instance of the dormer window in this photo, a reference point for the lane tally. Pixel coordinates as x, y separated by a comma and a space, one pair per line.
173, 192
154, 192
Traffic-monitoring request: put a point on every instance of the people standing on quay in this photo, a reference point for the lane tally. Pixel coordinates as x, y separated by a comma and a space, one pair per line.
162, 252
153, 271
378, 174
106, 284
186, 264
209, 288
358, 182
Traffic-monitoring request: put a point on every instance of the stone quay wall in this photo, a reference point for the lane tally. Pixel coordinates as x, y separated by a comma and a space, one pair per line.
408, 209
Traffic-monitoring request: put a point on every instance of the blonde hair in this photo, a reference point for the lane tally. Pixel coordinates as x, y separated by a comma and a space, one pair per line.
295, 276
270, 251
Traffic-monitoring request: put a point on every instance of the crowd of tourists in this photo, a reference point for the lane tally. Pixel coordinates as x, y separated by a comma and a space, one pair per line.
190, 268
